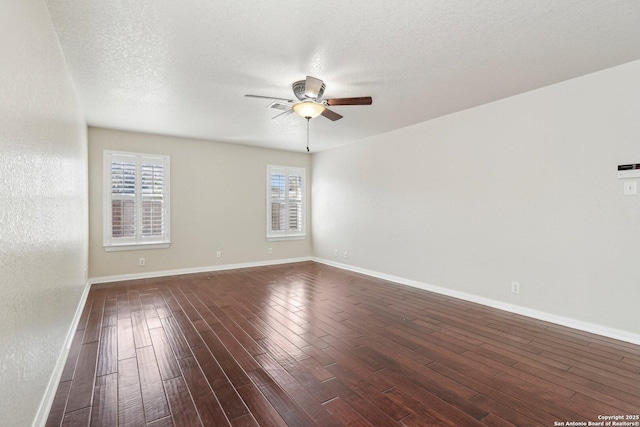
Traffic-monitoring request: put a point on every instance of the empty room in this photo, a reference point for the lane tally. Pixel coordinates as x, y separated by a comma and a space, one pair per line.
295, 213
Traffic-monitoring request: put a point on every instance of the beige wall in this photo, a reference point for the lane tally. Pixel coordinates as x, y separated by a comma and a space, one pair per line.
218, 203
523, 189
43, 207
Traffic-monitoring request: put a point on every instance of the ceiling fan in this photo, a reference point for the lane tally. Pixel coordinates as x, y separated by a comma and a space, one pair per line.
309, 103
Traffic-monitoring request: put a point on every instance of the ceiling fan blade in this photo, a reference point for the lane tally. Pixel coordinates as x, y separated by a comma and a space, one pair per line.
284, 113
363, 100
331, 115
312, 87
270, 97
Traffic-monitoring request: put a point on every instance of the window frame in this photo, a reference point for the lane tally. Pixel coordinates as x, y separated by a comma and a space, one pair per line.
287, 234
138, 242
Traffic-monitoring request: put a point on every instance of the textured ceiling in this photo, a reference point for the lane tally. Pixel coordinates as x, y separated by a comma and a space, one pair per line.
183, 67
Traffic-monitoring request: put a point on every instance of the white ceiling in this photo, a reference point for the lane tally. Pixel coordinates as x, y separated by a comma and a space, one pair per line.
183, 67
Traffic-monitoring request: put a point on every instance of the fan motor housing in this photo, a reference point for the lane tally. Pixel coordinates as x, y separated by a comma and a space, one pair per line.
299, 87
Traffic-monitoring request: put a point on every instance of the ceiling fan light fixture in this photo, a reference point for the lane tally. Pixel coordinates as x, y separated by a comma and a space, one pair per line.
308, 109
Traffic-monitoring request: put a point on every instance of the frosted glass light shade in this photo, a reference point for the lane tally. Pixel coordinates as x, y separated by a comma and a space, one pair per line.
308, 109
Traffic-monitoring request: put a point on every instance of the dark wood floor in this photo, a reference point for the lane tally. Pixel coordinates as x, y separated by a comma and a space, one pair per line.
310, 345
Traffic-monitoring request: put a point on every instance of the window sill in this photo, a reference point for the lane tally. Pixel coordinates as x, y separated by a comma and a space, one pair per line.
280, 238
135, 247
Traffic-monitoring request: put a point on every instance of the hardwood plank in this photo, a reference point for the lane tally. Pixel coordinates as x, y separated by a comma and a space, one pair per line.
229, 332
94, 322
105, 401
231, 367
419, 410
287, 408
84, 317
164, 355
170, 300
537, 385
488, 354
263, 411
627, 383
412, 420
189, 331
148, 305
110, 312
523, 356
126, 343
495, 421
245, 421
497, 391
299, 394
238, 313
154, 322
182, 294
141, 335
594, 363
417, 371
108, 351
551, 393
225, 392
450, 405
123, 305
162, 422
319, 355
182, 407
130, 410
153, 397
178, 344
312, 378
56, 413
596, 398
206, 403
511, 414
135, 304
365, 389
604, 396
78, 418
209, 410
365, 408
345, 414
315, 368
72, 357
81, 391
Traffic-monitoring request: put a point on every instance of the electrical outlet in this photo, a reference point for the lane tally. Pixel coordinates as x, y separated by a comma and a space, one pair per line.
515, 287
346, 254
218, 254
630, 188
141, 262
335, 252
270, 251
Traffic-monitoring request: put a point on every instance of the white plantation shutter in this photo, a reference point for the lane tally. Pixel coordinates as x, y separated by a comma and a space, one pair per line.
278, 201
286, 202
295, 202
123, 182
152, 196
136, 200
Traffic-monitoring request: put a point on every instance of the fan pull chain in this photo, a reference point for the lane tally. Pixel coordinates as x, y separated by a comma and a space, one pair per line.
308, 134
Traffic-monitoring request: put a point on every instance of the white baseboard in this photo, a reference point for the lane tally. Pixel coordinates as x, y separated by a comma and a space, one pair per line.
536, 314
164, 273
50, 392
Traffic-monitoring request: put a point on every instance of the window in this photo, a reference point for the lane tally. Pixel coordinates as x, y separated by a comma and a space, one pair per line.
286, 203
136, 201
